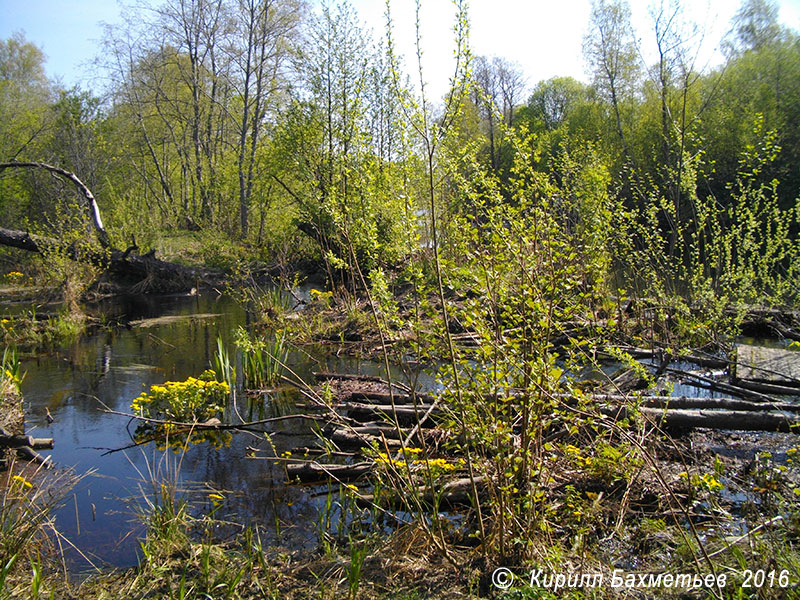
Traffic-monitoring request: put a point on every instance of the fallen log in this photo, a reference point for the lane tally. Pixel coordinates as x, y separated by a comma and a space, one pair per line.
314, 471
385, 398
458, 492
722, 386
768, 388
688, 402
405, 414
366, 437
142, 273
139, 273
91, 204
713, 419
32, 455
18, 441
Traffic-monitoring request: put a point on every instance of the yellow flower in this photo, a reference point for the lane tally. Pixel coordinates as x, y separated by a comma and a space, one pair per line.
24, 482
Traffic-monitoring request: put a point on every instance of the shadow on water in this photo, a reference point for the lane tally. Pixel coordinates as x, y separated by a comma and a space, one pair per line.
110, 368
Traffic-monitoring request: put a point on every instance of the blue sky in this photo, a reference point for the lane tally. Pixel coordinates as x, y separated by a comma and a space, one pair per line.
543, 36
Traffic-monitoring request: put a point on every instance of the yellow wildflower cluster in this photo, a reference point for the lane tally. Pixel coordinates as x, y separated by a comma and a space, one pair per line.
575, 455
437, 465
14, 277
196, 399
22, 482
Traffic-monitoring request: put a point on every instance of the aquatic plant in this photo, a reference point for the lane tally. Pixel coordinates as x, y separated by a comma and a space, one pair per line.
262, 360
10, 371
175, 407
195, 400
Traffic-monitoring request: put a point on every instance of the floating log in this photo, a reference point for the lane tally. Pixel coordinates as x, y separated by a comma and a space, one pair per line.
772, 366
405, 415
313, 471
458, 492
715, 419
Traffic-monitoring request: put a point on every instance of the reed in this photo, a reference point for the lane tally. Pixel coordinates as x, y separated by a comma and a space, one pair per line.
262, 360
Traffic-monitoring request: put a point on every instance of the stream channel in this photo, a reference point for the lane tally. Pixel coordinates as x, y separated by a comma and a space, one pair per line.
110, 367
171, 338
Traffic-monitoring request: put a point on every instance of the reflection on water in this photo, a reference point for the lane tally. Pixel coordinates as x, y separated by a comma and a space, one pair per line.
109, 369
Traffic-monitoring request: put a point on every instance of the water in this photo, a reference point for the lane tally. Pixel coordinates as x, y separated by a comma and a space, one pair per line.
105, 371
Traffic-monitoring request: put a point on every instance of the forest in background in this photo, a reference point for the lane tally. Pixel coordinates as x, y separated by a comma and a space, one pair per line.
262, 131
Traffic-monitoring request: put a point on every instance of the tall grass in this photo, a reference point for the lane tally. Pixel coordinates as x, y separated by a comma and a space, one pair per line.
28, 500
262, 360
10, 371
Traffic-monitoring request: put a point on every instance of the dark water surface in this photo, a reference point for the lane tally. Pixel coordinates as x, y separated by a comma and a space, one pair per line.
110, 368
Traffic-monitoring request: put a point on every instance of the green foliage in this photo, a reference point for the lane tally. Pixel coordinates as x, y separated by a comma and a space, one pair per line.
11, 375
28, 501
263, 361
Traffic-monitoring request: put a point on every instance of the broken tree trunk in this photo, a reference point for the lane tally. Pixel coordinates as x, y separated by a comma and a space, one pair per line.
142, 273
91, 204
139, 273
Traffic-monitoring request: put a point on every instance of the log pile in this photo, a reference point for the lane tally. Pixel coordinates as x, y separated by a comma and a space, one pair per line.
12, 438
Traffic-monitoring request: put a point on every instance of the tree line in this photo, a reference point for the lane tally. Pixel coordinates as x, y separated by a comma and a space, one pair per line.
290, 129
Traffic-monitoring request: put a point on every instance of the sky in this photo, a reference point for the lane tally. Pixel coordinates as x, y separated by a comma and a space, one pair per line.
544, 37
